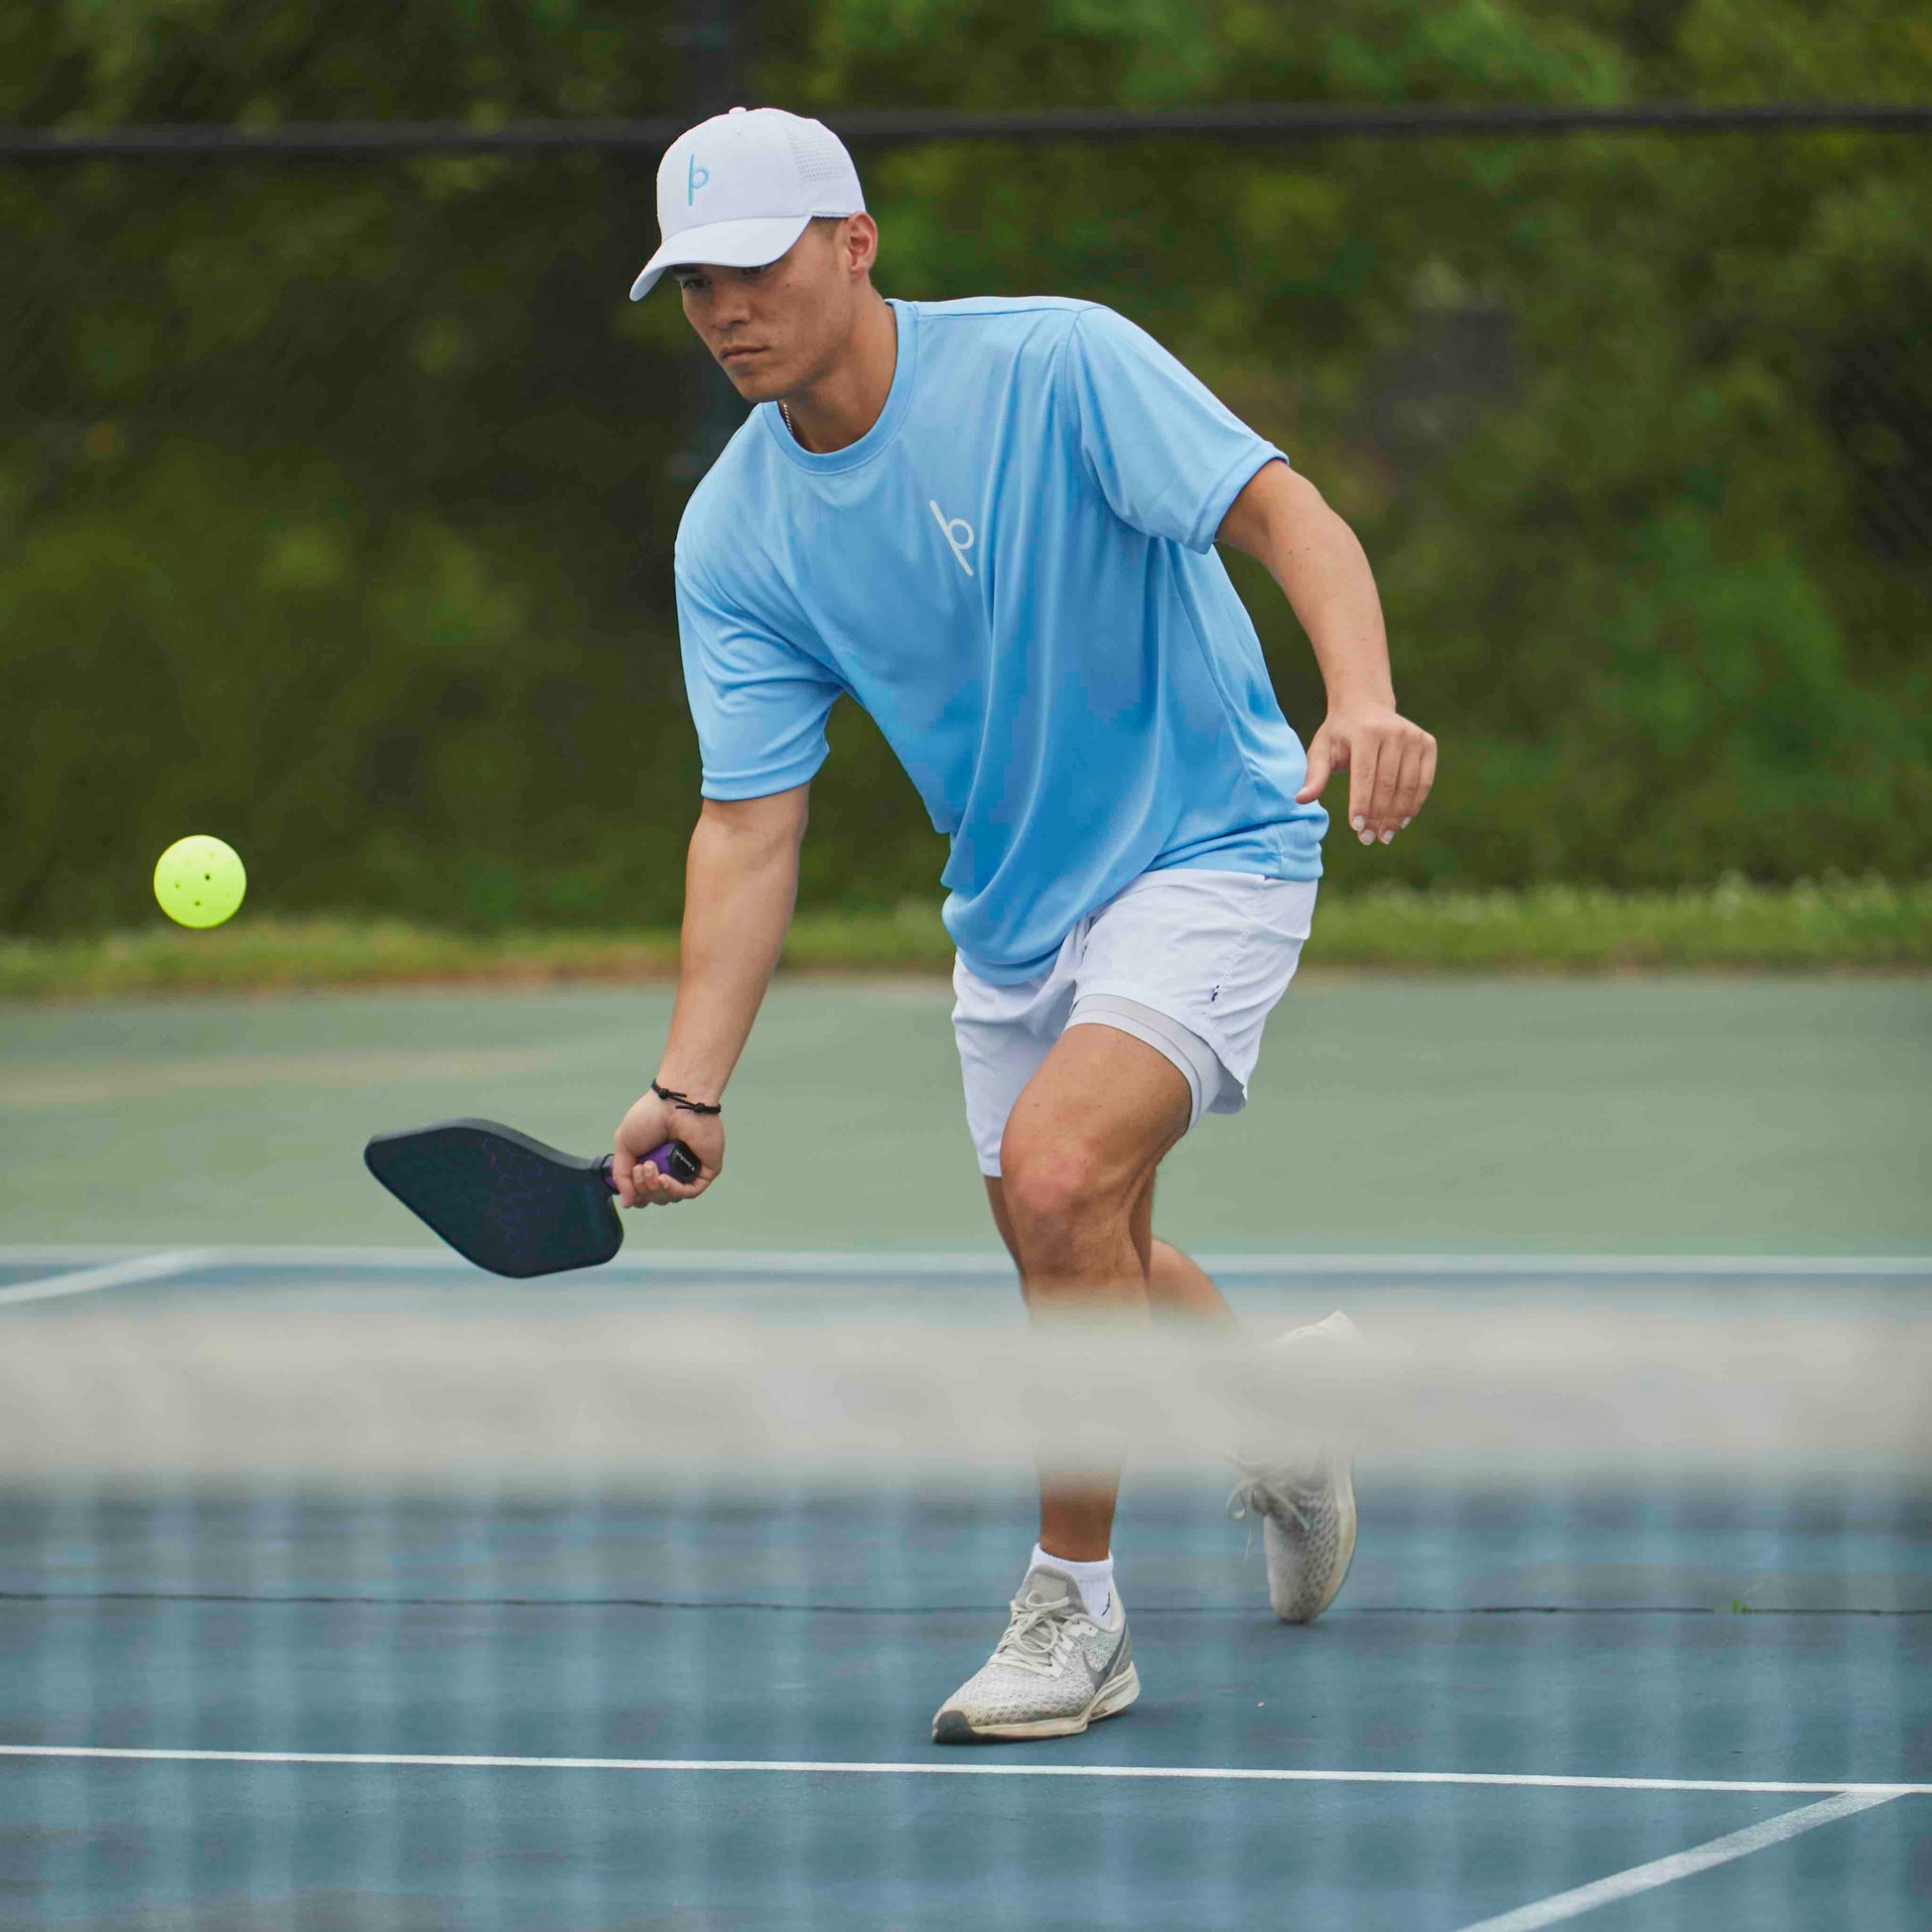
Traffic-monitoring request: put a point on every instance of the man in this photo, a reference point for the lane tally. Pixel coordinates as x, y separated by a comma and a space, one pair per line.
991, 522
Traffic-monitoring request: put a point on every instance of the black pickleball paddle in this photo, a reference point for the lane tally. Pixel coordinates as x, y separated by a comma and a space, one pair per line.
508, 1202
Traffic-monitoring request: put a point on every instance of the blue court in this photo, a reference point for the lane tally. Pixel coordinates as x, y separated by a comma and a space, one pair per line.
695, 1705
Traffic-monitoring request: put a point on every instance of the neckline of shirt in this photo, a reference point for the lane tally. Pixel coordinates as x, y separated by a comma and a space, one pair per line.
897, 398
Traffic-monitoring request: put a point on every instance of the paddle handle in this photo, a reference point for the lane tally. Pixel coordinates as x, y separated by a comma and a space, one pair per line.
673, 1159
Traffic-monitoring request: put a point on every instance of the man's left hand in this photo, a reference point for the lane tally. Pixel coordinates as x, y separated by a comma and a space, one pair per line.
1391, 765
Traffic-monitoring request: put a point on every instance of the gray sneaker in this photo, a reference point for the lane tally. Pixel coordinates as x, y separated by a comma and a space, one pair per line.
1307, 1504
1054, 1672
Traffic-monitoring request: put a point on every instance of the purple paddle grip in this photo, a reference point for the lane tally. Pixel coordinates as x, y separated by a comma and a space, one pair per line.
658, 1156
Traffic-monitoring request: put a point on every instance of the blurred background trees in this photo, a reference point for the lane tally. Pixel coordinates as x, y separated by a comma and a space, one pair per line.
337, 499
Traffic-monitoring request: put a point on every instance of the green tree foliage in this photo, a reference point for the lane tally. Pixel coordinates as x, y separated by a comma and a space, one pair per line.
336, 503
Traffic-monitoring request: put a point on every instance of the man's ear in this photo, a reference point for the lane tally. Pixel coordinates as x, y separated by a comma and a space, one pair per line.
861, 240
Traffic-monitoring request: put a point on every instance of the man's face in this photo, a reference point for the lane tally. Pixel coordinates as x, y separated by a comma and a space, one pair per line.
776, 328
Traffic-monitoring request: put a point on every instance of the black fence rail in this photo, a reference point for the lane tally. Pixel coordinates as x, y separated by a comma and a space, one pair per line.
871, 128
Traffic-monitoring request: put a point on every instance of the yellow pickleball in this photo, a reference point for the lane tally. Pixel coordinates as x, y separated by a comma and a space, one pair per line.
199, 881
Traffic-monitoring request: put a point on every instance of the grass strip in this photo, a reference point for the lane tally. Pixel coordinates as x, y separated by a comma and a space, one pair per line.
1868, 924
1836, 924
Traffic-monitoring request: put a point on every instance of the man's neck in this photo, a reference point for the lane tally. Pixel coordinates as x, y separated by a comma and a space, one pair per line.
844, 403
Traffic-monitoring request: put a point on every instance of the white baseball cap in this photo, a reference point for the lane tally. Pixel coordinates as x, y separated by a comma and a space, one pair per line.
739, 189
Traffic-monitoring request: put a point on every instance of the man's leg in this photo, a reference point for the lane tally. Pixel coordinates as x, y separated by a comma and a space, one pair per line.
1178, 1285
1078, 1153
1176, 1282
1077, 1162
1175, 1285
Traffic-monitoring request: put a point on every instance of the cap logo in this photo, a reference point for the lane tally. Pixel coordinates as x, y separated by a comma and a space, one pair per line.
739, 189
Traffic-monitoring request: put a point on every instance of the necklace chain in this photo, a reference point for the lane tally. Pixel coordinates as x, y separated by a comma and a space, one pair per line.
787, 414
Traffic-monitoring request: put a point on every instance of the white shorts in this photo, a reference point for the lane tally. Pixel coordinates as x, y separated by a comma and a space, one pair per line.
1190, 962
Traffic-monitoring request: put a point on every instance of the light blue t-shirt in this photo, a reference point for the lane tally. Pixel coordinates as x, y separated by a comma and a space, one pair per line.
1012, 571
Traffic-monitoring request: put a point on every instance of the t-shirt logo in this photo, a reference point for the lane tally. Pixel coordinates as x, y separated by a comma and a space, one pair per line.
957, 532
694, 179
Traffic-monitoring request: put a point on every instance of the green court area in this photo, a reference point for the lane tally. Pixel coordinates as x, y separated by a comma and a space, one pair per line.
1622, 1116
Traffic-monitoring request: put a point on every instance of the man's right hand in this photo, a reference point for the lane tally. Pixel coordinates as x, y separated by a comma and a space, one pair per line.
647, 1127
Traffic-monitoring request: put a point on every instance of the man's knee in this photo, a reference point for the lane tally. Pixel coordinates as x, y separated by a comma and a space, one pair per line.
1055, 1184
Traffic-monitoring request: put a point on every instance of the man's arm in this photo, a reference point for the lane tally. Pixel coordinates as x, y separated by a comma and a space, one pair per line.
740, 881
1279, 519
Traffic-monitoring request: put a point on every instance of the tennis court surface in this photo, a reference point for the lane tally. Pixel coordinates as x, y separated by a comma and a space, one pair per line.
388, 1631
342, 1587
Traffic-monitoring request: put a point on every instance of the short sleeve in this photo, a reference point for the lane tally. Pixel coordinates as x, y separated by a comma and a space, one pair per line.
759, 703
1167, 454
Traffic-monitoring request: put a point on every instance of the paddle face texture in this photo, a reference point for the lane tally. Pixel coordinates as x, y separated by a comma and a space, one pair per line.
499, 1198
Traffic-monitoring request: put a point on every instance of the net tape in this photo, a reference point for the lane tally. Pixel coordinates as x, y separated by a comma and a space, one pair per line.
503, 1388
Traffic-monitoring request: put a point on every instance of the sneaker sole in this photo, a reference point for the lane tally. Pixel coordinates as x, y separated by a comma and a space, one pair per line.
1345, 1512
955, 1728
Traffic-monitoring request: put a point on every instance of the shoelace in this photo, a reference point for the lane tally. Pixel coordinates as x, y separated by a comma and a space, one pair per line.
1038, 1634
1256, 1494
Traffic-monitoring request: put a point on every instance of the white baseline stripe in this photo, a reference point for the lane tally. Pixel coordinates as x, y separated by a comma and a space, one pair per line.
1877, 1793
1534, 1266
642, 1257
115, 1274
1682, 1865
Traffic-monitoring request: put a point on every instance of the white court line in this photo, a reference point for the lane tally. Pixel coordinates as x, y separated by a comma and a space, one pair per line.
1682, 1865
813, 1262
114, 1274
814, 1767
1533, 1267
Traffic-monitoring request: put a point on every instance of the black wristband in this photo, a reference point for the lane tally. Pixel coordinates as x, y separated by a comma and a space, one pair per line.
684, 1100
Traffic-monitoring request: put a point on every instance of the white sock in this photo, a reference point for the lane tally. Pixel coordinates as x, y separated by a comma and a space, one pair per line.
1094, 1580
